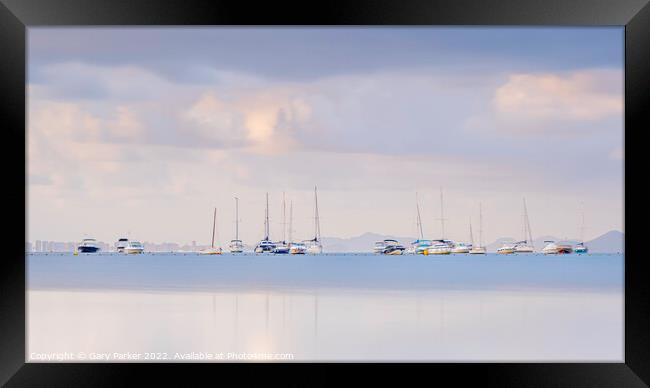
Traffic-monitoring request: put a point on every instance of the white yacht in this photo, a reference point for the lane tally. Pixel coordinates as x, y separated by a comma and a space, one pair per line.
314, 246
134, 247
506, 249
121, 244
88, 245
212, 250
266, 245
526, 245
461, 248
389, 247
556, 249
297, 249
439, 247
236, 245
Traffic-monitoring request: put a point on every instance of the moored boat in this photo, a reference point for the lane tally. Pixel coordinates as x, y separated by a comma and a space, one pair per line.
480, 249
553, 248
526, 245
121, 244
134, 247
506, 249
439, 247
88, 245
581, 248
314, 246
212, 250
297, 249
266, 245
461, 248
236, 245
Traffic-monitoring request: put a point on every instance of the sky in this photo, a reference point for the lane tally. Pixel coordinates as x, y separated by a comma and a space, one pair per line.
142, 132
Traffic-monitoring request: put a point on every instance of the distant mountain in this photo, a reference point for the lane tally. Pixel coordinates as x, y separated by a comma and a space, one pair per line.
610, 242
363, 243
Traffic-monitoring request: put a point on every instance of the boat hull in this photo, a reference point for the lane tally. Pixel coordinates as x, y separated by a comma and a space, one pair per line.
133, 251
478, 251
87, 249
505, 251
211, 251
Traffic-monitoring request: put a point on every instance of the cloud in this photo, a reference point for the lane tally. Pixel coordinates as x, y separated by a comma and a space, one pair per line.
581, 96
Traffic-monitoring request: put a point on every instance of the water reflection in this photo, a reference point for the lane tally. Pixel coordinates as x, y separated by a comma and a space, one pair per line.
333, 324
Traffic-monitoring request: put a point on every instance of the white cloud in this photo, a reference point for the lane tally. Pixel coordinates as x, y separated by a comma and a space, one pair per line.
587, 95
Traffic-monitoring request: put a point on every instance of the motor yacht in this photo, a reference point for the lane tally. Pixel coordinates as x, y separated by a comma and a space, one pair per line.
121, 244
134, 247
88, 245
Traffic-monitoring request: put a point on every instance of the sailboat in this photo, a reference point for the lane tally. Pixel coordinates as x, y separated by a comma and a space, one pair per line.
212, 250
581, 247
480, 249
294, 248
236, 245
464, 247
526, 245
441, 246
314, 245
265, 245
420, 245
281, 247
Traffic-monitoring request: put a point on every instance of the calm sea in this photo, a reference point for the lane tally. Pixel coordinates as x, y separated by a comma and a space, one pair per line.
339, 307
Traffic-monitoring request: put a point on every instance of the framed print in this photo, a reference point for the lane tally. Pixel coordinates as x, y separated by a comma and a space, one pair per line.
439, 185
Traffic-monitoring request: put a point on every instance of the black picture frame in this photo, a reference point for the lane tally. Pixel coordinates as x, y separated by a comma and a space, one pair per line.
18, 15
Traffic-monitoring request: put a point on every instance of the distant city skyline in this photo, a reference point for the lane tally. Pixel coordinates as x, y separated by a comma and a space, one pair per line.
141, 132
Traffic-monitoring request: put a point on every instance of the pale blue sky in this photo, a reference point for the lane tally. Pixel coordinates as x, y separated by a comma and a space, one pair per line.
169, 122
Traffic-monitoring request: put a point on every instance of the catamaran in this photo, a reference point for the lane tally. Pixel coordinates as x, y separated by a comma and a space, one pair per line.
480, 249
266, 245
314, 245
212, 250
236, 245
526, 245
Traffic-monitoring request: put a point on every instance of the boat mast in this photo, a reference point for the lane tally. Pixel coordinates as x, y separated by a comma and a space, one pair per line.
480, 225
582, 229
284, 219
316, 219
236, 218
290, 221
527, 226
419, 219
266, 219
442, 217
214, 224
471, 235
